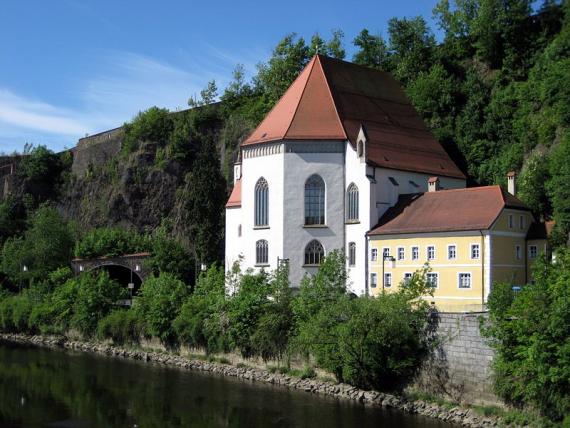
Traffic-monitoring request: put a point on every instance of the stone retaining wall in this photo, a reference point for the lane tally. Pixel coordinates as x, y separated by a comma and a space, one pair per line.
457, 415
461, 366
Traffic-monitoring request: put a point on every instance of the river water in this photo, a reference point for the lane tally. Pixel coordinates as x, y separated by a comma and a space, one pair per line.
55, 388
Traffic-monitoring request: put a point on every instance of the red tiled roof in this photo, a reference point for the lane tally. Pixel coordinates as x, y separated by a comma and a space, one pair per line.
475, 208
332, 99
235, 197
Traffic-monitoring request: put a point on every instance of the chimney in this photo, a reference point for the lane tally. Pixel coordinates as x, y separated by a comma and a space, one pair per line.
512, 183
237, 168
433, 184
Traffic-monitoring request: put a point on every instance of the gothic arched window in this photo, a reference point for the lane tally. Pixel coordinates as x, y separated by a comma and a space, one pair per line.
314, 200
261, 202
352, 202
314, 253
352, 254
261, 252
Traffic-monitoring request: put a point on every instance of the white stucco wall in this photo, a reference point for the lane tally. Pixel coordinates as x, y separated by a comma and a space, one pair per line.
302, 161
267, 163
355, 172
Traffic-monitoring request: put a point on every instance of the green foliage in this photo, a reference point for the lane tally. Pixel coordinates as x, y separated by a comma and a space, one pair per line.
372, 50
158, 304
204, 197
371, 342
95, 296
169, 256
45, 246
558, 186
41, 171
154, 125
529, 331
122, 326
110, 242
199, 323
12, 217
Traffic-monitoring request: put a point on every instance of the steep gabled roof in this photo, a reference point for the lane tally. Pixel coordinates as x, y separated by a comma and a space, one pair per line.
235, 198
332, 99
475, 208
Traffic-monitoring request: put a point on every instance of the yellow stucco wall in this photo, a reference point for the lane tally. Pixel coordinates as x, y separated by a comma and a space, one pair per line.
499, 260
447, 295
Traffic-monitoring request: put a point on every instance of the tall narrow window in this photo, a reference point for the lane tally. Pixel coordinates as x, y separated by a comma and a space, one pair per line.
261, 202
431, 252
373, 280
352, 203
351, 254
314, 253
261, 252
314, 200
374, 254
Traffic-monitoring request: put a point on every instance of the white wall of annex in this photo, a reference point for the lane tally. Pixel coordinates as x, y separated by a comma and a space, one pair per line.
355, 172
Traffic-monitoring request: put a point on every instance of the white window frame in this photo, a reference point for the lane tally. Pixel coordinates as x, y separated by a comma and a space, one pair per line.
427, 252
405, 280
436, 274
387, 284
530, 255
459, 280
373, 282
403, 249
471, 246
412, 252
518, 252
373, 254
455, 249
386, 252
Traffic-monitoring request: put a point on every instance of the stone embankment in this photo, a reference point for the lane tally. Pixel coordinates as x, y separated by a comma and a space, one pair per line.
456, 415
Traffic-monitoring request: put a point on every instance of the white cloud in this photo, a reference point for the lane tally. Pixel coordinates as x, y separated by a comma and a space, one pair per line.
124, 84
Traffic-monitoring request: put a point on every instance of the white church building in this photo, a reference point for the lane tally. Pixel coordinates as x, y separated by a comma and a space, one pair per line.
336, 151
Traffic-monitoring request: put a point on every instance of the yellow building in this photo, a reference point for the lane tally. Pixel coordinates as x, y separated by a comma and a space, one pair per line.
471, 238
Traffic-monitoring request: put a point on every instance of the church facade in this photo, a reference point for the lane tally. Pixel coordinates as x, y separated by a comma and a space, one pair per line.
334, 154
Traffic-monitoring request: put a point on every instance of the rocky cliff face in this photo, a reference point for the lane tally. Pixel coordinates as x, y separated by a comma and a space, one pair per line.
132, 193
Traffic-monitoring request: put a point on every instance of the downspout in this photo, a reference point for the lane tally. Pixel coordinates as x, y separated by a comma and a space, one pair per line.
366, 246
482, 270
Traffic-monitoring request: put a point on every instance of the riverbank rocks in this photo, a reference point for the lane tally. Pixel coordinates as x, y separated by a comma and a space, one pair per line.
456, 415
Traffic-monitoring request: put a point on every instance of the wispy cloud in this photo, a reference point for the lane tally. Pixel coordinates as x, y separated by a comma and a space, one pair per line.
124, 84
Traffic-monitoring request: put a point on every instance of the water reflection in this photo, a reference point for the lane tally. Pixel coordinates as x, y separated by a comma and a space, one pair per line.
40, 387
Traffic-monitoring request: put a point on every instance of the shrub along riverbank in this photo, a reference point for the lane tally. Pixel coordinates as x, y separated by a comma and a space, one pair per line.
370, 343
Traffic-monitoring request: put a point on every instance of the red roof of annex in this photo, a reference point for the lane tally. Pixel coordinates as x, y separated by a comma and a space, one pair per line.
474, 208
331, 99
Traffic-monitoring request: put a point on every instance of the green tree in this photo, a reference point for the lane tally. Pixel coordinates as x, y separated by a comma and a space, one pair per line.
199, 322
45, 246
205, 196
96, 295
154, 125
372, 50
288, 59
158, 305
530, 334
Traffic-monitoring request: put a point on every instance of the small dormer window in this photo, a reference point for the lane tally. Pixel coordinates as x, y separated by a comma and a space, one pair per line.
360, 149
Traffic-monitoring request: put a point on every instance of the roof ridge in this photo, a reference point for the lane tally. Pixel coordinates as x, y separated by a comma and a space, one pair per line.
466, 189
334, 101
313, 60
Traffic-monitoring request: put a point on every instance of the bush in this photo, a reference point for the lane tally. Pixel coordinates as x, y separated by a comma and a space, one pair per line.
530, 333
154, 125
159, 304
122, 326
197, 324
110, 242
96, 295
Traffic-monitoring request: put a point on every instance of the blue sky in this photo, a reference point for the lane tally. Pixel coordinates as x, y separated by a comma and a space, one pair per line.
71, 67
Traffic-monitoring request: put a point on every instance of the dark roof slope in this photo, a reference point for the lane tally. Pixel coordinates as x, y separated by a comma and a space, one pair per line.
475, 208
332, 99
